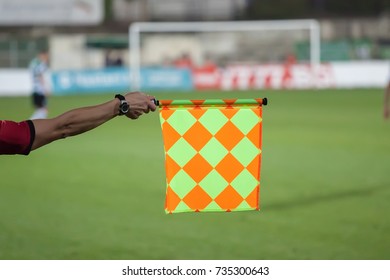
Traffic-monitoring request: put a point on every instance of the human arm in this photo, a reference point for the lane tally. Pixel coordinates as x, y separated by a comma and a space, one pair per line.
80, 120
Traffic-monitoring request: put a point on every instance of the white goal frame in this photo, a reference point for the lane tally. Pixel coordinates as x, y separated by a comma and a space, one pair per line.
137, 28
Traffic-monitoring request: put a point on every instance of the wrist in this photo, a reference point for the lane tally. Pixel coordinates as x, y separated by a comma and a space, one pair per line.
115, 103
124, 106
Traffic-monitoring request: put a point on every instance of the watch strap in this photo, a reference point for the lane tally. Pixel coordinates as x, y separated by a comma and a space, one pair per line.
120, 97
122, 101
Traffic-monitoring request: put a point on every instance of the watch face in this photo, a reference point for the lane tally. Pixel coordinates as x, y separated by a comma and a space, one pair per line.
125, 107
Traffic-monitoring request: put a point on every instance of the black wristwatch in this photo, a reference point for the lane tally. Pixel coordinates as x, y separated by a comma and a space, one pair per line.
123, 106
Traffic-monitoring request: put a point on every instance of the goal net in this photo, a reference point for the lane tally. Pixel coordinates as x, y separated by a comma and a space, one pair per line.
224, 55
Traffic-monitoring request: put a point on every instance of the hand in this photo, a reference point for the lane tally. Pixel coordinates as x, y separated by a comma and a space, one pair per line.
139, 103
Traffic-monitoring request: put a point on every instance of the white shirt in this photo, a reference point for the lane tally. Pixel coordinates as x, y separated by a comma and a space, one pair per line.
38, 69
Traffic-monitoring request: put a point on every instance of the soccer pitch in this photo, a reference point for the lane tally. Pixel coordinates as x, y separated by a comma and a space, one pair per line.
325, 187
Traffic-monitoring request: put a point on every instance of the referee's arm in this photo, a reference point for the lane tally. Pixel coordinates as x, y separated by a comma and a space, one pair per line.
80, 120
72, 123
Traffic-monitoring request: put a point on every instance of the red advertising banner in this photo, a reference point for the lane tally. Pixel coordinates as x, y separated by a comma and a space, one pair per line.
265, 76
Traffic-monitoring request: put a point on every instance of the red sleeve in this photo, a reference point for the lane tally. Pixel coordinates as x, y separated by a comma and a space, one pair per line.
16, 138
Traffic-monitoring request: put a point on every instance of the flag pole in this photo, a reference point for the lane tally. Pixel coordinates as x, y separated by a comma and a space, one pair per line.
211, 102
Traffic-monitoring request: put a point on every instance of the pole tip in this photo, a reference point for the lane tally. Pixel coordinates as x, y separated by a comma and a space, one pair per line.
265, 101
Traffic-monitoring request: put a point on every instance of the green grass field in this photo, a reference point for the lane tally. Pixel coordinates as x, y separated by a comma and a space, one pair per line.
325, 187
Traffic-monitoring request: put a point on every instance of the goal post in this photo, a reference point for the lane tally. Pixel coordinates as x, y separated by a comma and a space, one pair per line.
136, 29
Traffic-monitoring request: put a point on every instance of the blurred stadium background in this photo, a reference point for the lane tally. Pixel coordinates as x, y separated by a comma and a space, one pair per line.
326, 150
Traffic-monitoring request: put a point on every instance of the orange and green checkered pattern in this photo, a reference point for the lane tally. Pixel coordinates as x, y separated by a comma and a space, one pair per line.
212, 154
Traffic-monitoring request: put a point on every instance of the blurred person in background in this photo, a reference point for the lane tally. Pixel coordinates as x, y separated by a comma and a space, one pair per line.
209, 65
184, 61
287, 76
38, 67
113, 59
386, 109
23, 137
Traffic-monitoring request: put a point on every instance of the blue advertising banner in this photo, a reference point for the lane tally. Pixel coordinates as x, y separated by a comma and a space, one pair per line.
118, 80
166, 79
90, 81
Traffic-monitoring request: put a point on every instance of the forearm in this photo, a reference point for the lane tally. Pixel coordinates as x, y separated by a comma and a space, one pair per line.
80, 120
73, 122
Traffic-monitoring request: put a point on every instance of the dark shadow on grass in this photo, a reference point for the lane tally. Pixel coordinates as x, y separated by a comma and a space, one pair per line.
323, 198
